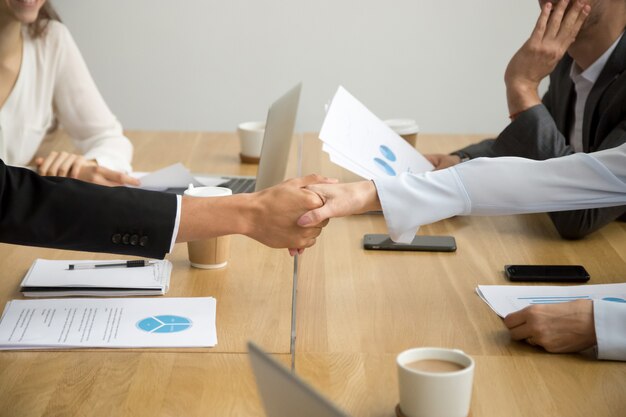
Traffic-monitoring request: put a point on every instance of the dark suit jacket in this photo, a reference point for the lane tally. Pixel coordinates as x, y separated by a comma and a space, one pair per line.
541, 132
63, 213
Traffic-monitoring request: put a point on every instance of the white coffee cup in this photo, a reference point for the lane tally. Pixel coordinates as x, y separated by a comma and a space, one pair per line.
428, 393
251, 140
209, 253
407, 128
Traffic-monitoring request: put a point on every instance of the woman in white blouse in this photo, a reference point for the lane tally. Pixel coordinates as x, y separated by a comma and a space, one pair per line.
43, 78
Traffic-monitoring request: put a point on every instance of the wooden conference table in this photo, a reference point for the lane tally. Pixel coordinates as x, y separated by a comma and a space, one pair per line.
355, 311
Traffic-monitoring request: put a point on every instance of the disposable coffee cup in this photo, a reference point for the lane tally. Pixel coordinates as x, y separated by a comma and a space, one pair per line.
406, 128
251, 140
209, 253
434, 382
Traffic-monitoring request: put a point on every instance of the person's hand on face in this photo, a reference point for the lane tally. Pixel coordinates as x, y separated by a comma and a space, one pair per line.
563, 327
442, 161
277, 209
65, 164
556, 29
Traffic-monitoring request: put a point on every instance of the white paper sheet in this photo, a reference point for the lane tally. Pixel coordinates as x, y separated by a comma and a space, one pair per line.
356, 134
108, 323
46, 275
173, 176
506, 299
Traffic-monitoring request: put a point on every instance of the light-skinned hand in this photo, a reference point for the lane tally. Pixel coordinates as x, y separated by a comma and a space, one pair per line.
65, 164
554, 32
563, 327
442, 161
341, 200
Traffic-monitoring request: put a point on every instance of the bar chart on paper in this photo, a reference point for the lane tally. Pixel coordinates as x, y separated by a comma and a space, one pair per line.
505, 299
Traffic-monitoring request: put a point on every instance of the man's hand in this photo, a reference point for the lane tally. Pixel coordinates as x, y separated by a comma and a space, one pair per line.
442, 161
554, 32
65, 164
566, 327
341, 200
276, 210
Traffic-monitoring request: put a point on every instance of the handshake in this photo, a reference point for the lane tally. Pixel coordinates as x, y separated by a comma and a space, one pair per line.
288, 215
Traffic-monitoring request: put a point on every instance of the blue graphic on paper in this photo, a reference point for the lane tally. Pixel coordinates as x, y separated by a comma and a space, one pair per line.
164, 324
384, 165
614, 299
388, 153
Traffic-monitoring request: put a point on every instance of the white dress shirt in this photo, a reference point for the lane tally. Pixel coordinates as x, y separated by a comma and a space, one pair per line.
499, 186
54, 80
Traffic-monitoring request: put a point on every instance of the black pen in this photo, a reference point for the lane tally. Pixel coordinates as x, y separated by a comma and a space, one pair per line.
127, 264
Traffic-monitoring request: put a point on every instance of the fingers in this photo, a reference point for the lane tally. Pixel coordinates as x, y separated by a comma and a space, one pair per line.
56, 164
574, 21
313, 217
542, 22
313, 179
556, 17
106, 176
516, 319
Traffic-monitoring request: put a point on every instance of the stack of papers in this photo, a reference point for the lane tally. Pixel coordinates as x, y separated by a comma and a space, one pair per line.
47, 278
357, 140
174, 176
108, 323
506, 299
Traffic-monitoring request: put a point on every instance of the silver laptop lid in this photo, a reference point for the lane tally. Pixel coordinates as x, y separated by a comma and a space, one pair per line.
284, 394
279, 127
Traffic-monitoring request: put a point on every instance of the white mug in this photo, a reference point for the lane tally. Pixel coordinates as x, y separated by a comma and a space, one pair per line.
435, 393
251, 139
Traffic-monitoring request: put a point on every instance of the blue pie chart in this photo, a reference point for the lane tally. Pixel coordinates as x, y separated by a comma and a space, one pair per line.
164, 324
614, 299
385, 167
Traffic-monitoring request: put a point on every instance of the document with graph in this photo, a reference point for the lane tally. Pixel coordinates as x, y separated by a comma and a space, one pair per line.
506, 299
108, 323
359, 141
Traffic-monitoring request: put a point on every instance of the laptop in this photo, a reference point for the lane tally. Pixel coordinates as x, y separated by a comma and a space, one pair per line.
283, 393
279, 127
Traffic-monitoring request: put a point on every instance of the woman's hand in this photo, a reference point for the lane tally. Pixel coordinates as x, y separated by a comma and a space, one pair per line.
65, 164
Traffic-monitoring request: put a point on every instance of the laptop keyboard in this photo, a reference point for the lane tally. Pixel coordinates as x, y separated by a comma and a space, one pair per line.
240, 185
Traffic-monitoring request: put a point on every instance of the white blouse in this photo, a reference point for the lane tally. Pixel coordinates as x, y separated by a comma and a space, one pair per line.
54, 80
498, 186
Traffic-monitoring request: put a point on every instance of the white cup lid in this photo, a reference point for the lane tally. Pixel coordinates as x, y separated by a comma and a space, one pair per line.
252, 126
403, 126
208, 191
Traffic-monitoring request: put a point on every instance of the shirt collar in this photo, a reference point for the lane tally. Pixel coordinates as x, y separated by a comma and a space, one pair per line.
592, 73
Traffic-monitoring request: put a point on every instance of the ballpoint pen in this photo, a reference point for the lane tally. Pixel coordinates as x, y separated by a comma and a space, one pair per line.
127, 264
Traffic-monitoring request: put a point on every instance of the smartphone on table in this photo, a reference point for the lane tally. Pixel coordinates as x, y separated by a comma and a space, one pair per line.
546, 273
419, 243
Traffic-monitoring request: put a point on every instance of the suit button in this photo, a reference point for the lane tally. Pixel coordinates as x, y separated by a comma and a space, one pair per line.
126, 239
143, 241
134, 239
116, 238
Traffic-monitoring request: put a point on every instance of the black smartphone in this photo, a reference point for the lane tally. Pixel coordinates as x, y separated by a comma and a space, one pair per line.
419, 243
546, 273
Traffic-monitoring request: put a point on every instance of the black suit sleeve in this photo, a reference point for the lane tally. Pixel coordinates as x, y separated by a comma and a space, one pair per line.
63, 213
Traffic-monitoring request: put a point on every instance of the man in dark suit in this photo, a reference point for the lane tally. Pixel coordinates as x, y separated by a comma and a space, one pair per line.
64, 213
584, 109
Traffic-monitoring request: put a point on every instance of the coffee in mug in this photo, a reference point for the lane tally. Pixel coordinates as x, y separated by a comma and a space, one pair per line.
434, 382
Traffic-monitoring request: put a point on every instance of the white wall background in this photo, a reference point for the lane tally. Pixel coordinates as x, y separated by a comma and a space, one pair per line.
208, 64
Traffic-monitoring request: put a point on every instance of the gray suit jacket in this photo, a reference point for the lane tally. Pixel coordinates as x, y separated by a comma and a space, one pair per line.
538, 133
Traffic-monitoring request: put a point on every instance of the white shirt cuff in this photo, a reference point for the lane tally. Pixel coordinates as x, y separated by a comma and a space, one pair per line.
610, 324
179, 200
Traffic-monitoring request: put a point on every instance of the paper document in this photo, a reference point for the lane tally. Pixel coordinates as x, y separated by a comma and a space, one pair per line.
506, 299
47, 278
108, 323
175, 176
359, 141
